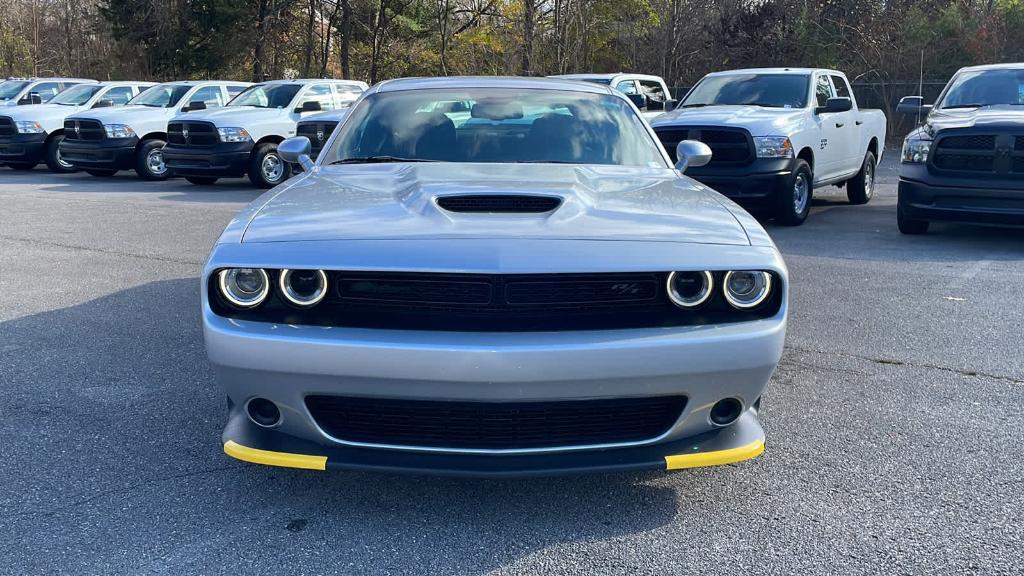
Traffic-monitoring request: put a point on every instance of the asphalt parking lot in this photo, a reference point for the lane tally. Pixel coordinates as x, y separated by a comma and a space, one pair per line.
894, 421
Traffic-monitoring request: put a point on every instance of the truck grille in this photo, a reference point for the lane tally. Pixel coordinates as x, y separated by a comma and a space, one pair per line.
729, 147
83, 130
978, 154
7, 129
495, 425
192, 134
317, 132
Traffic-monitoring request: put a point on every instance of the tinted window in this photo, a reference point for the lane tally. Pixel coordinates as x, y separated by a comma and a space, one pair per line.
627, 87
267, 95
119, 95
771, 90
46, 90
822, 90
210, 95
500, 125
985, 88
76, 95
842, 89
319, 93
234, 90
161, 95
653, 90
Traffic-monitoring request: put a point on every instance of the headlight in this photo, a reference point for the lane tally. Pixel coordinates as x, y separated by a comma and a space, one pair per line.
773, 147
690, 289
244, 287
118, 130
233, 135
915, 150
303, 288
745, 289
28, 127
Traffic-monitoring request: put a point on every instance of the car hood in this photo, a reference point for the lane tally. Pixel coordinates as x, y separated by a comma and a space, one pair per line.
397, 201
235, 114
120, 114
760, 121
990, 117
41, 112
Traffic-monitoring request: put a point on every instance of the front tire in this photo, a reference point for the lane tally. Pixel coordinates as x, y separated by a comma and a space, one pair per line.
149, 161
267, 169
793, 200
909, 225
201, 180
101, 173
861, 187
53, 159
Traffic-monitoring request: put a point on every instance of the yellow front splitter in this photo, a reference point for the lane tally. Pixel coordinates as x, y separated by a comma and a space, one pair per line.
270, 458
715, 458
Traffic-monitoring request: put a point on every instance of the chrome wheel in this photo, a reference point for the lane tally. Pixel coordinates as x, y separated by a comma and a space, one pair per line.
61, 162
155, 162
801, 193
272, 167
869, 179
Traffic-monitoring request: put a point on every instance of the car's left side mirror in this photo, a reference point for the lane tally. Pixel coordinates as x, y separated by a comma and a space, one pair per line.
194, 105
670, 105
296, 150
638, 100
913, 106
691, 154
309, 106
103, 104
834, 105
31, 98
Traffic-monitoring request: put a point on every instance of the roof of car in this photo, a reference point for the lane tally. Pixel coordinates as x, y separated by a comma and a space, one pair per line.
1002, 66
774, 71
310, 80
462, 82
126, 82
603, 76
198, 82
52, 79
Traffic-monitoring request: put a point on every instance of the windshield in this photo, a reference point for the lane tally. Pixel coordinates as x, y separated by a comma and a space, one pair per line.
10, 88
267, 95
496, 125
985, 88
770, 90
76, 95
161, 96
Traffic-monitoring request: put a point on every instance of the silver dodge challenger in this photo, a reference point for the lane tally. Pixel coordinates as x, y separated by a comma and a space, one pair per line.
493, 276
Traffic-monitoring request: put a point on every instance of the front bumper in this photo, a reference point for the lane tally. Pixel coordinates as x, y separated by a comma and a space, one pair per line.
106, 154
925, 196
227, 160
23, 148
754, 184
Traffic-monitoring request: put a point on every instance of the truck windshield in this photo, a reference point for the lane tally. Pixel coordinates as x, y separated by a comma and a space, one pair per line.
267, 95
161, 96
495, 125
76, 95
10, 88
770, 90
978, 88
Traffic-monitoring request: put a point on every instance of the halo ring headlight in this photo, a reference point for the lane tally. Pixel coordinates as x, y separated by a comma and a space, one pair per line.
244, 287
312, 291
745, 289
685, 299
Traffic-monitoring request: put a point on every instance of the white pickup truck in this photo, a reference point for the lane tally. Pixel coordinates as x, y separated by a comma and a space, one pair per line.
649, 93
242, 137
776, 134
22, 91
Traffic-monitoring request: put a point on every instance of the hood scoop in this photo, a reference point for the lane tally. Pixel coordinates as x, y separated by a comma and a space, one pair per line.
499, 203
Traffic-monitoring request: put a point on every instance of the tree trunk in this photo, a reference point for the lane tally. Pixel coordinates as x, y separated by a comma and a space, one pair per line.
346, 38
258, 65
529, 18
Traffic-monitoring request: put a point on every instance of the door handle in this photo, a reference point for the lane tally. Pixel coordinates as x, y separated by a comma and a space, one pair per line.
859, 122
840, 124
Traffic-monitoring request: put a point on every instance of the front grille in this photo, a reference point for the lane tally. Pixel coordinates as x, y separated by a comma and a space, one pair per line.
192, 134
83, 130
978, 154
495, 425
728, 147
7, 129
317, 132
499, 203
495, 303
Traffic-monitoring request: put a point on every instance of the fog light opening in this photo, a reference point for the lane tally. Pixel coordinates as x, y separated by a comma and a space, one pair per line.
726, 411
263, 412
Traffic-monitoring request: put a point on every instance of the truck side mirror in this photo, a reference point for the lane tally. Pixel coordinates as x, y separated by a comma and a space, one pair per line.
913, 106
194, 105
296, 150
638, 100
670, 105
309, 106
835, 105
691, 153
103, 103
31, 98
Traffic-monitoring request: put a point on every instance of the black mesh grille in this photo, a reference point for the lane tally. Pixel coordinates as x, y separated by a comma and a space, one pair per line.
192, 134
83, 130
317, 132
495, 425
499, 203
969, 142
7, 129
728, 147
965, 162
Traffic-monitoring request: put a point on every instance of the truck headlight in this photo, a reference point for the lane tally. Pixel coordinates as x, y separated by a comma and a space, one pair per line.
118, 130
773, 147
915, 150
233, 135
29, 127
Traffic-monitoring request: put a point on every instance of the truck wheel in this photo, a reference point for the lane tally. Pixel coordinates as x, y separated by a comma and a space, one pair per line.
909, 225
267, 169
21, 165
201, 180
101, 173
53, 159
793, 200
861, 187
149, 161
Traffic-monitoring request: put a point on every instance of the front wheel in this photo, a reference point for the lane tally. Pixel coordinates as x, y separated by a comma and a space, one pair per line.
200, 180
793, 200
101, 173
267, 169
149, 161
54, 161
861, 187
908, 225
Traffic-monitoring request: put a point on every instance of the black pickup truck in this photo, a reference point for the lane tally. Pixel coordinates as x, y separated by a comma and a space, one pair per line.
965, 163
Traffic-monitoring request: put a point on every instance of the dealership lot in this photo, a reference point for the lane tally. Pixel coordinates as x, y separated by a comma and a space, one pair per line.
893, 422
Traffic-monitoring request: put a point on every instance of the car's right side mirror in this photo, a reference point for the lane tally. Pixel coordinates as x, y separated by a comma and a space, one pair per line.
638, 100
913, 106
691, 153
296, 150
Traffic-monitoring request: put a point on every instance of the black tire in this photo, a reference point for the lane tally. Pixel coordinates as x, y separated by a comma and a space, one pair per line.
259, 167
101, 173
861, 187
909, 225
201, 180
21, 165
149, 161
53, 159
789, 211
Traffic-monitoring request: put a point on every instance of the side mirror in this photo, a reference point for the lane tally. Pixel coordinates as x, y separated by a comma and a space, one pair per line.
31, 98
296, 150
691, 153
834, 105
913, 106
103, 104
670, 105
638, 100
309, 106
194, 105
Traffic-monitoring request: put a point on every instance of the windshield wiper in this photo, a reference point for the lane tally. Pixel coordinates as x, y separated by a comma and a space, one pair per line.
698, 105
379, 160
966, 106
545, 162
